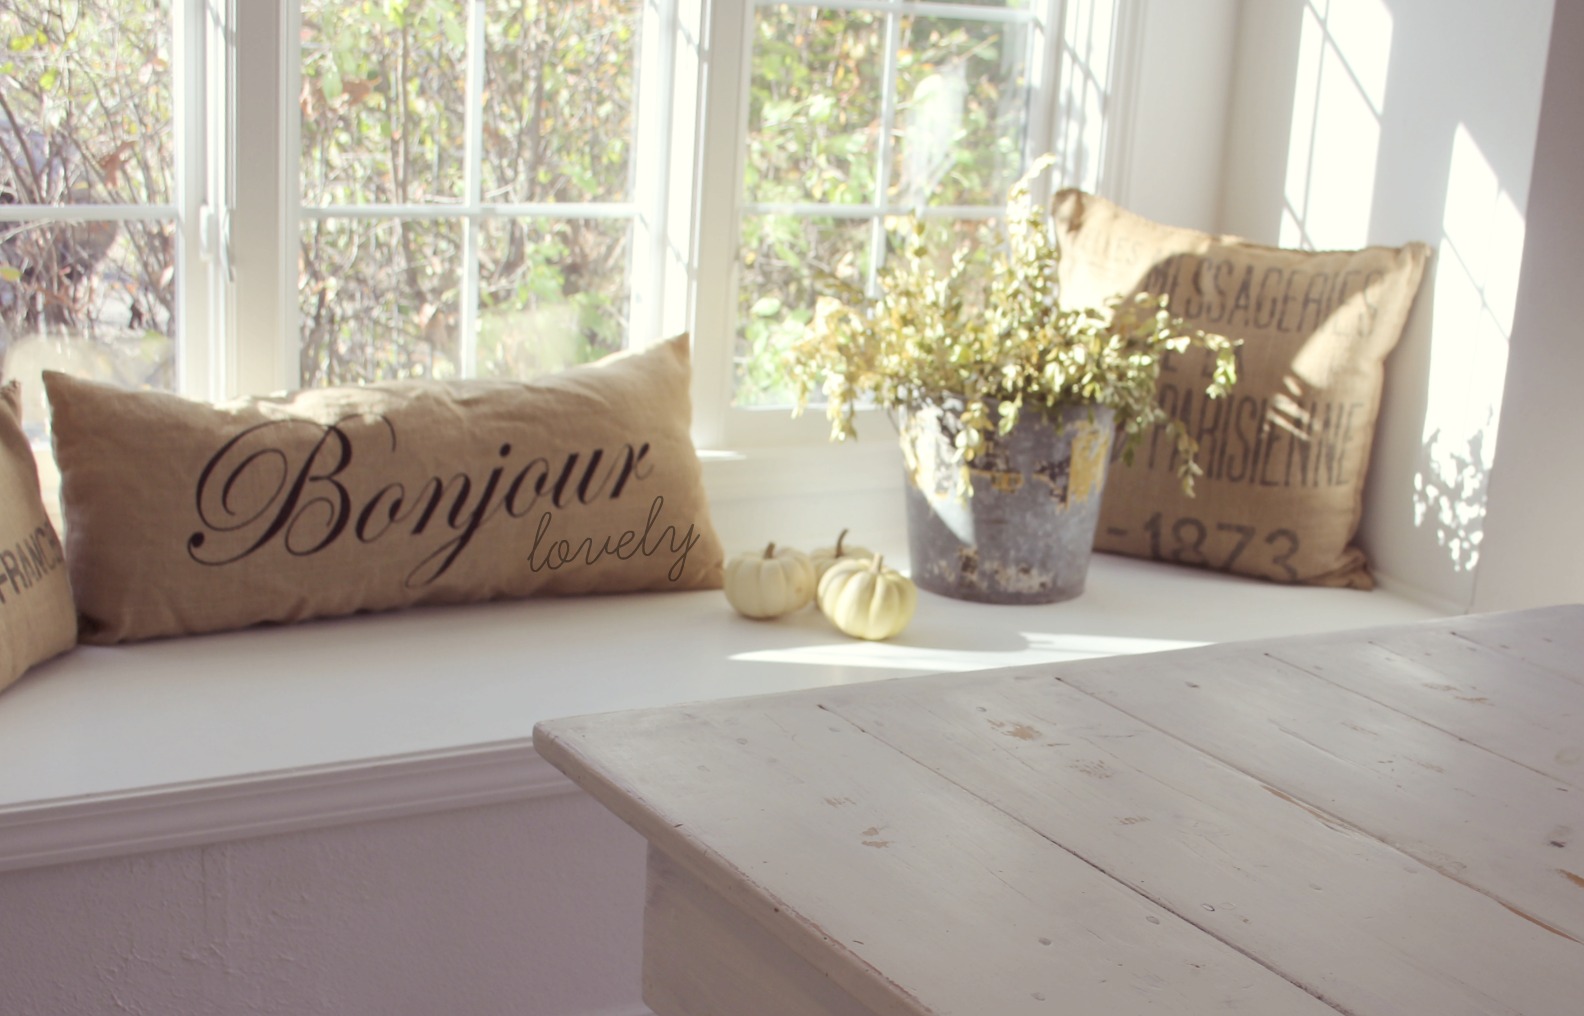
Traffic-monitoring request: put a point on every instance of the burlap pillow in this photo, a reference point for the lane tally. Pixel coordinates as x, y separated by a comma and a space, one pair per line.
37, 620
183, 517
1286, 455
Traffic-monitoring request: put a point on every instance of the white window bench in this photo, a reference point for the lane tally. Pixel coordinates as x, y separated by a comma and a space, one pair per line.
110, 751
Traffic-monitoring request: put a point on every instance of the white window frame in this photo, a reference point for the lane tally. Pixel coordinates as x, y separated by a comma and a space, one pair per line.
729, 37
239, 201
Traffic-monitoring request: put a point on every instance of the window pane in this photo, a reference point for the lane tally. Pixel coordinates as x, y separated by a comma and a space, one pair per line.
789, 261
782, 260
382, 101
93, 299
962, 112
951, 98
558, 107
553, 293
85, 119
379, 299
814, 105
87, 102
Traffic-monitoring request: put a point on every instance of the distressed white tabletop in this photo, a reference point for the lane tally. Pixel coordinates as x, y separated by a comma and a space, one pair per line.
1379, 822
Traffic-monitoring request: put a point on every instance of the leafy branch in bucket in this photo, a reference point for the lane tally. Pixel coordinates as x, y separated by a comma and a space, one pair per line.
983, 325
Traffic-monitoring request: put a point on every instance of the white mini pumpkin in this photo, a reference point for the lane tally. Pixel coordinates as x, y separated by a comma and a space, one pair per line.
824, 557
770, 583
867, 600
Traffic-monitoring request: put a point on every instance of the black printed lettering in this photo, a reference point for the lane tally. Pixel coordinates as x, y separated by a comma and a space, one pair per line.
273, 486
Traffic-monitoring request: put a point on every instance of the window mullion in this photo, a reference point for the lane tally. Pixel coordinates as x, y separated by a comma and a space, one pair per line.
97, 212
524, 210
287, 346
883, 155
935, 9
666, 83
198, 282
472, 224
259, 165
722, 66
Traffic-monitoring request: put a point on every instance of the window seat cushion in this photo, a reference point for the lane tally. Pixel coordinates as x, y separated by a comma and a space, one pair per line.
115, 749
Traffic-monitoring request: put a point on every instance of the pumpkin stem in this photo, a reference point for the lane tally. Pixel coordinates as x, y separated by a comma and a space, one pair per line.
769, 550
839, 540
879, 561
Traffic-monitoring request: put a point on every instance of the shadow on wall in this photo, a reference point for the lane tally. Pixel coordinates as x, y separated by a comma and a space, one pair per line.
1450, 487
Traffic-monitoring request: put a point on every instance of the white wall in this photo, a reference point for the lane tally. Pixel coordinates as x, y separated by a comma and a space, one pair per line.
1534, 542
1427, 133
1175, 111
528, 909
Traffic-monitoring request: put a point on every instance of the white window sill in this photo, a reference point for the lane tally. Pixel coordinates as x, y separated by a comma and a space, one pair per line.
114, 750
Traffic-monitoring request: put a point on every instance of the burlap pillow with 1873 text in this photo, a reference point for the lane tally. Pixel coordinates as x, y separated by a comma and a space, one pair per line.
1285, 455
37, 619
183, 517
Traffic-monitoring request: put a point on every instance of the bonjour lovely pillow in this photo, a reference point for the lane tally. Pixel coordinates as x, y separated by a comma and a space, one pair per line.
37, 620
1286, 453
183, 517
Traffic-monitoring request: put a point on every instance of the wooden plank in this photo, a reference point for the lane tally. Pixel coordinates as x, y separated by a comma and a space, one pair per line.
1549, 637
910, 894
1350, 919
1492, 697
1489, 823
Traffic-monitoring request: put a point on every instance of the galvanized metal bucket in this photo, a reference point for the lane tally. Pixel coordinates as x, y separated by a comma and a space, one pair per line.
1026, 533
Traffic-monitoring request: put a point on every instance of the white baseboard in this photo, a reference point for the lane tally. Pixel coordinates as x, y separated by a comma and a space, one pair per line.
198, 813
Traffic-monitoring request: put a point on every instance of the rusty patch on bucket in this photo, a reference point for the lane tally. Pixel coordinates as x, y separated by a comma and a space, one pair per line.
1057, 476
1091, 447
1006, 481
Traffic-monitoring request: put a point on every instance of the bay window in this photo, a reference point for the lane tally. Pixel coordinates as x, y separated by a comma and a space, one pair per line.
221, 197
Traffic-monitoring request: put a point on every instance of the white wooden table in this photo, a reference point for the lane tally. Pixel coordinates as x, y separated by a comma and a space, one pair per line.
1378, 822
